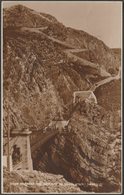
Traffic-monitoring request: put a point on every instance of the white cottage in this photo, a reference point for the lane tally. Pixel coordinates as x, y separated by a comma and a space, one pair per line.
79, 96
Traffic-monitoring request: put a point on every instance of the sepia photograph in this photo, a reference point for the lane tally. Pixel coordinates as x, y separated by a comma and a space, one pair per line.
61, 86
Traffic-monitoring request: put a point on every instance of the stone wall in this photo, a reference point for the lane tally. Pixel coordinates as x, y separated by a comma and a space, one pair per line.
22, 142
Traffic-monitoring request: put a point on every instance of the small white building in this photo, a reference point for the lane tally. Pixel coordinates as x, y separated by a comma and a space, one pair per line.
79, 96
59, 124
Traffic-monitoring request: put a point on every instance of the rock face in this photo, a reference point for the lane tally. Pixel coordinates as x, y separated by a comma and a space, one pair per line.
107, 98
40, 75
84, 152
33, 63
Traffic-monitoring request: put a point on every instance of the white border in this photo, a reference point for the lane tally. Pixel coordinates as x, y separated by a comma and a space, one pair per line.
1, 97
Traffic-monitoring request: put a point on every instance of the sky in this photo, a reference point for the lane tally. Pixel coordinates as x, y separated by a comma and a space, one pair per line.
101, 19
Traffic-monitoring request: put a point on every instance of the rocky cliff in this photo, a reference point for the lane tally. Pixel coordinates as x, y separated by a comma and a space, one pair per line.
33, 63
41, 69
87, 152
